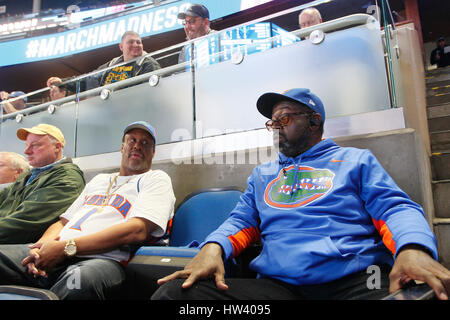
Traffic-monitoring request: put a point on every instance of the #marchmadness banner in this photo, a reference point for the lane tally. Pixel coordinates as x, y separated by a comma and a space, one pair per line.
147, 22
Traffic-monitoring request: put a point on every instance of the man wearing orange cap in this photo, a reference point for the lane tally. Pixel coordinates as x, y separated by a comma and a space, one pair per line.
39, 196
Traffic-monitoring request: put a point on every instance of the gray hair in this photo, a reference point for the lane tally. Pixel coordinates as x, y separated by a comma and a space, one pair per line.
16, 160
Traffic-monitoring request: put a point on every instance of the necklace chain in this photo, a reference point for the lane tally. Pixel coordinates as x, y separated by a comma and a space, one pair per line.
109, 191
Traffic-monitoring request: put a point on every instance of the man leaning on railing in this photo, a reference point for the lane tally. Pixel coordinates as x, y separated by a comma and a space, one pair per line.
132, 48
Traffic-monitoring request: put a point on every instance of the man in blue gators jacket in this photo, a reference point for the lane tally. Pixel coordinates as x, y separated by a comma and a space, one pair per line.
324, 214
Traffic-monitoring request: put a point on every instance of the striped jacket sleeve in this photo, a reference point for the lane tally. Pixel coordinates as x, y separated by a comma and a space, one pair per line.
398, 219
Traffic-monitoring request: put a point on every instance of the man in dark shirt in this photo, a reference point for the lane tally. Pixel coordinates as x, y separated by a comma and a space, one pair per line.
132, 50
440, 55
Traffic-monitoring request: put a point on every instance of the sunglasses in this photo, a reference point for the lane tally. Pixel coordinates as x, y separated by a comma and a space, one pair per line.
284, 120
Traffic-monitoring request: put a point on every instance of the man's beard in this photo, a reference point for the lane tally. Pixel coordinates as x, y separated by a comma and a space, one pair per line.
293, 148
135, 165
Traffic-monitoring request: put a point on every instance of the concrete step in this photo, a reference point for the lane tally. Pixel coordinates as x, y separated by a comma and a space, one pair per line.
436, 75
441, 192
441, 87
438, 99
437, 111
439, 124
440, 165
437, 83
440, 141
442, 232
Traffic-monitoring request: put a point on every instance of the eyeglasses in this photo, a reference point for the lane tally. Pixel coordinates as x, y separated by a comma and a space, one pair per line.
283, 120
191, 21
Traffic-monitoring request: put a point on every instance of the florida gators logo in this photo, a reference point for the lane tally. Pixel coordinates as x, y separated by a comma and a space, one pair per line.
294, 188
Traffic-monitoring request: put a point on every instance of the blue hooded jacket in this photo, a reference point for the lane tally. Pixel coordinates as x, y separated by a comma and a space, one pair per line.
329, 212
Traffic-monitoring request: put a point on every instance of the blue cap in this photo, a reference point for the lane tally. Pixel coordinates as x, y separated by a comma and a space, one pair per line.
16, 94
267, 101
141, 125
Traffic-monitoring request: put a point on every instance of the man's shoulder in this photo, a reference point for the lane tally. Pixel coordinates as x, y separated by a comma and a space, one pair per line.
148, 176
148, 62
67, 171
67, 164
157, 174
104, 176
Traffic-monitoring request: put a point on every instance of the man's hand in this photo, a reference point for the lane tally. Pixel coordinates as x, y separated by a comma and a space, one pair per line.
53, 81
414, 264
4, 95
206, 264
29, 262
44, 256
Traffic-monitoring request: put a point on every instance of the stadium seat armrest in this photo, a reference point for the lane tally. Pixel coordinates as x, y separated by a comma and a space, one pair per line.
417, 292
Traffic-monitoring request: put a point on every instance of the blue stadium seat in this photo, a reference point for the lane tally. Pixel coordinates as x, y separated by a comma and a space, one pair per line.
201, 213
25, 293
196, 217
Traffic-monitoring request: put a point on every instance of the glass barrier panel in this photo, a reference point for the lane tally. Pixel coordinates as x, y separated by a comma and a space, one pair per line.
210, 85
341, 60
33, 109
163, 98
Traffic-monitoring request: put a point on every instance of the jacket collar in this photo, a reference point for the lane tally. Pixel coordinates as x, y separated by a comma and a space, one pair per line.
37, 171
312, 152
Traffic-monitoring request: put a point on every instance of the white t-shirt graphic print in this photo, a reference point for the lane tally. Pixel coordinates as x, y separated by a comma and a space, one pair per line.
148, 195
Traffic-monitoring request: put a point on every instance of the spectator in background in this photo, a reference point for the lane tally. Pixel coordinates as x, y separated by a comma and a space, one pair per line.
11, 166
309, 17
57, 92
132, 52
440, 55
37, 198
13, 105
196, 25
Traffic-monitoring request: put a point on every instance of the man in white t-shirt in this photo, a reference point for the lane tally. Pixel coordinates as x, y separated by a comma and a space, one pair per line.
82, 255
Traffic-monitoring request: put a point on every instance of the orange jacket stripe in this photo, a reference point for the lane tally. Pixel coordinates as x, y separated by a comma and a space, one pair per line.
243, 239
386, 234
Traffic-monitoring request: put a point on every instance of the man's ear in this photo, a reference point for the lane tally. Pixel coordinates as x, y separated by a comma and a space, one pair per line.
121, 47
59, 146
316, 119
18, 173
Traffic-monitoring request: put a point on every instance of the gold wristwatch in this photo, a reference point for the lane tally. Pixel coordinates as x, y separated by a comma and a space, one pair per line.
70, 249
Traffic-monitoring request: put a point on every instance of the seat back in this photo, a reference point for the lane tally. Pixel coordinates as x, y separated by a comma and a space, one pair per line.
25, 293
201, 213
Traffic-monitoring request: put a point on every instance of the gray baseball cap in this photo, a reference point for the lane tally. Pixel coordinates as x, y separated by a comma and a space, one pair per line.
141, 125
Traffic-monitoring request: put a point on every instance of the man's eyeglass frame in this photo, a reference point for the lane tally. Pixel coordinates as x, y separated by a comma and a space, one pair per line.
284, 120
191, 21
